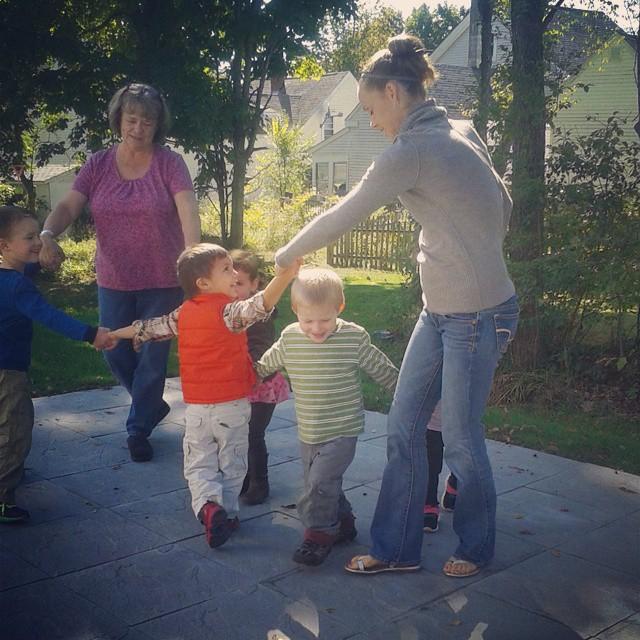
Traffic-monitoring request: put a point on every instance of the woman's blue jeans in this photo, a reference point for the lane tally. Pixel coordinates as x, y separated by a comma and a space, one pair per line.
454, 357
143, 373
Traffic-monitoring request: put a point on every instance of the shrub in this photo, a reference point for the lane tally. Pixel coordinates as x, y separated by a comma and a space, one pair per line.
79, 267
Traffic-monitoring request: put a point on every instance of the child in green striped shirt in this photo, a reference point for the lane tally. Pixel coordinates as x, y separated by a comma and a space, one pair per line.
323, 356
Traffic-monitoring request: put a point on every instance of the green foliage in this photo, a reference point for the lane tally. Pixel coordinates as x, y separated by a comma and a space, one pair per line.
284, 169
346, 45
592, 264
271, 221
78, 268
432, 27
307, 68
8, 194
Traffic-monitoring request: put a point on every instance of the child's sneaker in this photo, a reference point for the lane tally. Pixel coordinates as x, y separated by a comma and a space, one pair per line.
10, 513
216, 524
314, 548
311, 553
431, 515
449, 496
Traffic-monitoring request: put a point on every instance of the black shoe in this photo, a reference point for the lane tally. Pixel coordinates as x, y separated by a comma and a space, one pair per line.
430, 518
257, 492
139, 448
311, 553
10, 513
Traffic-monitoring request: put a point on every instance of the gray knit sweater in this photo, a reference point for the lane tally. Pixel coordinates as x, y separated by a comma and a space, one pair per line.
441, 171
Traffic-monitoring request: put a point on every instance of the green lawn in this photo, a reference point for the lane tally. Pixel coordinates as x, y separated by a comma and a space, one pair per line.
377, 301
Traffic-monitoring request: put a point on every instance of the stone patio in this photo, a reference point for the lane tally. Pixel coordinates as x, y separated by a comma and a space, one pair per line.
114, 551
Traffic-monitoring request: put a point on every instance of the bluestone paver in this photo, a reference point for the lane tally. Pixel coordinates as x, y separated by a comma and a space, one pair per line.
113, 550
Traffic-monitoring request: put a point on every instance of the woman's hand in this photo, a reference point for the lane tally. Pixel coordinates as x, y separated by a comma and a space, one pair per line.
291, 271
51, 255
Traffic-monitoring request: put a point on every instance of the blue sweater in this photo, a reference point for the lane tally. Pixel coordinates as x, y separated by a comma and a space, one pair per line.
20, 304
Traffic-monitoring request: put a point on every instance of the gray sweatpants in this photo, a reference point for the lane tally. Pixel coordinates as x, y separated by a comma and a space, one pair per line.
323, 503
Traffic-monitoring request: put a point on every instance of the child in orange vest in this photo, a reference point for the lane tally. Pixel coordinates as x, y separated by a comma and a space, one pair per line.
217, 376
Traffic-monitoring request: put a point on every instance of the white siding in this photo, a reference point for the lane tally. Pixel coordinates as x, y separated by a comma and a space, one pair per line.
458, 53
358, 145
610, 76
342, 100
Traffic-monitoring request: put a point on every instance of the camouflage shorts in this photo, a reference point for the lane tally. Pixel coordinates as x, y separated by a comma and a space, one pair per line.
16, 426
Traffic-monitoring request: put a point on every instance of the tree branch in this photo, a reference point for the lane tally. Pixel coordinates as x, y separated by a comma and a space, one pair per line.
552, 12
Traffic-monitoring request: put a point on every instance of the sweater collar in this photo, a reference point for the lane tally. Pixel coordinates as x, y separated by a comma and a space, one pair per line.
426, 113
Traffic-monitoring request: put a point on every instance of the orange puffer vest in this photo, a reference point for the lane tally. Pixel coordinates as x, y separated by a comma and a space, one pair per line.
214, 362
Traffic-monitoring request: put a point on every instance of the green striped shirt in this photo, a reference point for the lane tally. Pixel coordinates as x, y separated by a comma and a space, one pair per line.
326, 378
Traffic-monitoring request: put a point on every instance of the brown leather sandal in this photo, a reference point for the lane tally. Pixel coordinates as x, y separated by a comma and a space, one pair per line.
459, 568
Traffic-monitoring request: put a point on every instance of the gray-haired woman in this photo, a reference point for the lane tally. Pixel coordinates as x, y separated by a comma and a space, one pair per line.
441, 172
145, 212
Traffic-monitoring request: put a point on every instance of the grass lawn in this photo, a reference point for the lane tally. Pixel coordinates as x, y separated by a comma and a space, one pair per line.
377, 301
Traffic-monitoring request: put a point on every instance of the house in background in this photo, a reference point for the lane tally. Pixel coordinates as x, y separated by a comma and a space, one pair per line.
318, 106
341, 159
587, 49
52, 183
609, 76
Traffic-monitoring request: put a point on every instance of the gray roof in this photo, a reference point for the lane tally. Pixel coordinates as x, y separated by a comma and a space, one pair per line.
455, 89
305, 95
49, 171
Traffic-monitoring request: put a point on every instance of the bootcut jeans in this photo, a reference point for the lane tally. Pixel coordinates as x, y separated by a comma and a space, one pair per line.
453, 357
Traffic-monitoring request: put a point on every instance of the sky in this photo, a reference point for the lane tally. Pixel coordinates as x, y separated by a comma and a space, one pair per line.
406, 6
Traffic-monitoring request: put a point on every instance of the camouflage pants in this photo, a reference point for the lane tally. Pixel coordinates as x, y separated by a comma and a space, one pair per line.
16, 426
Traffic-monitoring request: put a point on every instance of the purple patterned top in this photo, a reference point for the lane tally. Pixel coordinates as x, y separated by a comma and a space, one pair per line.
138, 231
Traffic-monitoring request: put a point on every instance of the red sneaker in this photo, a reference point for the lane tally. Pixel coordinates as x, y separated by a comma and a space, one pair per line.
216, 524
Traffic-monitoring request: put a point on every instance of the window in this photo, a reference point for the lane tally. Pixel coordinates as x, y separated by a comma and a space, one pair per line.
339, 178
322, 177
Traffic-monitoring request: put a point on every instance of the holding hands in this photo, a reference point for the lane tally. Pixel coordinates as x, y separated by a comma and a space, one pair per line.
105, 340
51, 255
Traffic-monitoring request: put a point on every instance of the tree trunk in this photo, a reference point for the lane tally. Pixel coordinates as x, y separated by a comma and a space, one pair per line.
236, 236
527, 124
29, 190
485, 8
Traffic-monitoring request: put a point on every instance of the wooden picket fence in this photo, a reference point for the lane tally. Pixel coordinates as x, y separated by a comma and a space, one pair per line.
386, 241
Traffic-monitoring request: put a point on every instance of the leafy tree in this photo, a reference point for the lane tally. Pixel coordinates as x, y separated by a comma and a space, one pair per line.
432, 27
592, 239
258, 39
33, 89
347, 45
210, 59
285, 168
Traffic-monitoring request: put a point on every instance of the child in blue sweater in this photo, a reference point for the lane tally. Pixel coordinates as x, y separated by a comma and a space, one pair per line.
21, 304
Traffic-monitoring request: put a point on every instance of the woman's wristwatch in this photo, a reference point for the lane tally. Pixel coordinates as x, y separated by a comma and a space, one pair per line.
48, 233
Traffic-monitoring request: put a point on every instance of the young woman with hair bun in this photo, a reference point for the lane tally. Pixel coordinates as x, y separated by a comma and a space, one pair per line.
441, 172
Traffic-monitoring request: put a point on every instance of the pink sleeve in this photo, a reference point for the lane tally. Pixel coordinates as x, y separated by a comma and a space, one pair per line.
178, 178
84, 180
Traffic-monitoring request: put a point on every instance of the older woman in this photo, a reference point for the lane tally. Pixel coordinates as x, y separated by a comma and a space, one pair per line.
145, 212
441, 172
